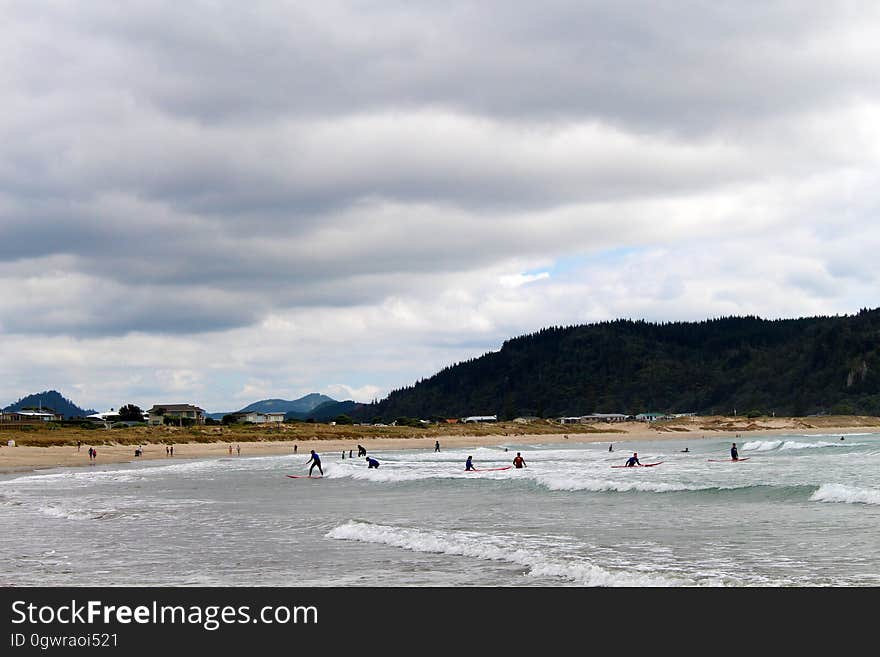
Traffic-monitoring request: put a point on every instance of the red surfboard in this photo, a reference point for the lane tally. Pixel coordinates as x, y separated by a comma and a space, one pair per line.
642, 465
506, 467
745, 458
304, 476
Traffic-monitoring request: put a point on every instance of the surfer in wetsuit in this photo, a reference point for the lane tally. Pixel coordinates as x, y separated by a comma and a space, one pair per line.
685, 450
372, 463
315, 460
633, 460
436, 445
519, 461
734, 454
468, 465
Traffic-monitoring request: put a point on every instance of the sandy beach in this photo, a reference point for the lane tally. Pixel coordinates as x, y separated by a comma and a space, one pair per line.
29, 457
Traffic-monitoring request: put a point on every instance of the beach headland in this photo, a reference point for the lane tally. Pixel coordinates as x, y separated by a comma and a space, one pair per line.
57, 447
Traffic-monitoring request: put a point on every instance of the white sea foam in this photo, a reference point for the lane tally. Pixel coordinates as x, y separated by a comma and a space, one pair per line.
761, 445
510, 549
768, 445
846, 494
575, 483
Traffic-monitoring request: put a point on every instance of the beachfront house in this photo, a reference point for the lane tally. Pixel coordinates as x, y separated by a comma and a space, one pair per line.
594, 417
480, 418
175, 413
255, 417
29, 417
651, 417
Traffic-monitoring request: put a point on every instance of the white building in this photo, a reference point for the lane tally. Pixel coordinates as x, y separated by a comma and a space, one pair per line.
480, 418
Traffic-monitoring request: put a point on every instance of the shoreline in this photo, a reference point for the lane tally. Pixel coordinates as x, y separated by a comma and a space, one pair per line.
22, 459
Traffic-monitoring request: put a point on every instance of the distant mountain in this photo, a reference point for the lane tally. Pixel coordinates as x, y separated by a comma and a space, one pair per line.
713, 367
326, 411
50, 399
301, 406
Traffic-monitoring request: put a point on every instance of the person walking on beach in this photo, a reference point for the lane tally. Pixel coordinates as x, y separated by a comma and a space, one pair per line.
315, 460
166, 450
734, 453
294, 448
372, 463
171, 450
469, 464
519, 461
437, 445
238, 449
79, 444
633, 460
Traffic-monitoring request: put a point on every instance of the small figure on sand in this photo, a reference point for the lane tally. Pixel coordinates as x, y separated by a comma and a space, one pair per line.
294, 448
238, 449
372, 463
437, 445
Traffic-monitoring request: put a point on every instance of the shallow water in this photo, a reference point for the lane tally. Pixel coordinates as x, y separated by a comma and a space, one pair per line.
802, 511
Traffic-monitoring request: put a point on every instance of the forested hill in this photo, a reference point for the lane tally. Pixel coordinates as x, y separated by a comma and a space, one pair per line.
790, 367
52, 400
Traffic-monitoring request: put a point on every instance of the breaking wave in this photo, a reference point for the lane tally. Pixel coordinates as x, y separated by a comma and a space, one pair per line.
498, 548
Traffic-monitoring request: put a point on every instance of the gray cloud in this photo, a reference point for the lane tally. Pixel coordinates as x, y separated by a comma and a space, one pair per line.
220, 169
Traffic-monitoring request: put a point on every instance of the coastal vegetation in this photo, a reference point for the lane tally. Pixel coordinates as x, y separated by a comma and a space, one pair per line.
742, 365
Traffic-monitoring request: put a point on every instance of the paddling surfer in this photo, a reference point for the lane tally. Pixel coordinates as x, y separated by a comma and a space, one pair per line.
734, 453
633, 460
519, 461
315, 461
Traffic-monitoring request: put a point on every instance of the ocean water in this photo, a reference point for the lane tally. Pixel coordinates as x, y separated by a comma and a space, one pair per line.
802, 511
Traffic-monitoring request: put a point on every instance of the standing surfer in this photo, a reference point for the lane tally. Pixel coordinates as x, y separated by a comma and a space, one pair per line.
315, 460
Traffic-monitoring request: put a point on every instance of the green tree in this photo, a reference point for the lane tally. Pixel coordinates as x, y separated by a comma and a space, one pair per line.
131, 413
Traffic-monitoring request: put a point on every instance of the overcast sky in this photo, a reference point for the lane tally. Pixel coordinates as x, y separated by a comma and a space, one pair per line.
220, 202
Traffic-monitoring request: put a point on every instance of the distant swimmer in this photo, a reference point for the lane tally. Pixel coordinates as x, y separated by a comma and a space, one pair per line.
841, 437
315, 460
685, 450
372, 463
469, 464
519, 461
436, 445
734, 453
633, 460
